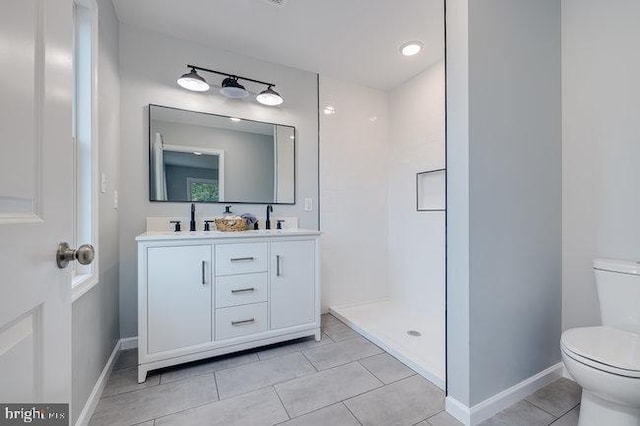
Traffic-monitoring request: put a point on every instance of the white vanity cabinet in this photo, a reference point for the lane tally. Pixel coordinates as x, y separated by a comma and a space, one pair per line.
178, 297
292, 289
206, 294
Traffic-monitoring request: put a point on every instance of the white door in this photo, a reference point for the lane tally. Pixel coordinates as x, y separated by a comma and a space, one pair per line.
292, 283
36, 198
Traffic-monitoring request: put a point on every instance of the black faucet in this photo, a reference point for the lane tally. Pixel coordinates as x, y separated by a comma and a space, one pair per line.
267, 224
192, 224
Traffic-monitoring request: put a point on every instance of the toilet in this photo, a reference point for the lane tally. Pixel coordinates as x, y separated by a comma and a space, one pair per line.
605, 360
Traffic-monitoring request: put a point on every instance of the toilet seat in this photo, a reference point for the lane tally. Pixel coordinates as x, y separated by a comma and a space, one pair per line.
607, 349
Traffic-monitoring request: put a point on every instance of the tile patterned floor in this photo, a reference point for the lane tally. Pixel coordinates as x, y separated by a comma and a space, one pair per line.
343, 380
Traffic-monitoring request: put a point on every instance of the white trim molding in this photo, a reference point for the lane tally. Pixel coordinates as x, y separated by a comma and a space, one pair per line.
491, 406
457, 409
96, 393
81, 285
129, 343
208, 151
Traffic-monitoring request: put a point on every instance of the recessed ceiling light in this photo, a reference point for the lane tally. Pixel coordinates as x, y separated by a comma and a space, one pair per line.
329, 110
236, 119
197, 153
411, 48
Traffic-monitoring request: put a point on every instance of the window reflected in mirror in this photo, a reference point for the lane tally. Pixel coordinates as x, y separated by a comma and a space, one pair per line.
208, 158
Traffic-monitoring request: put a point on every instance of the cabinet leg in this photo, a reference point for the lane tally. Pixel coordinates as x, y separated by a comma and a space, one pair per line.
142, 374
318, 335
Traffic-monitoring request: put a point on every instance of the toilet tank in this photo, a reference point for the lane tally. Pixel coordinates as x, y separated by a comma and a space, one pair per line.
618, 284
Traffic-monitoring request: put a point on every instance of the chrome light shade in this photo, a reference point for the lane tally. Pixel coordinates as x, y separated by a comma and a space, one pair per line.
269, 97
192, 81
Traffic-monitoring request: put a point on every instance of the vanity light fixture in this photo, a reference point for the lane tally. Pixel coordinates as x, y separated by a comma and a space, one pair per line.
411, 48
269, 97
230, 87
192, 81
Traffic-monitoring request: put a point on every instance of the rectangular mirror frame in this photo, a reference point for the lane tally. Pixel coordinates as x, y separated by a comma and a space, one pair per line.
220, 153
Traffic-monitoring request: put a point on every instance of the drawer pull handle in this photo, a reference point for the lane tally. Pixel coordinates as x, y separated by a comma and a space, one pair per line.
277, 265
247, 321
204, 267
243, 290
243, 259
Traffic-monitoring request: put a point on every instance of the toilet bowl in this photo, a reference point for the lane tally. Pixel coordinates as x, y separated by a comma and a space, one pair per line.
601, 360
605, 360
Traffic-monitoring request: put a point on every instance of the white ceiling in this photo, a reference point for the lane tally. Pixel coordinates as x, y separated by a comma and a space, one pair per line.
355, 40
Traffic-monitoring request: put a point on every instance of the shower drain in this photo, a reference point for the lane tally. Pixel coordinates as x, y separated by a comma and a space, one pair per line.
414, 333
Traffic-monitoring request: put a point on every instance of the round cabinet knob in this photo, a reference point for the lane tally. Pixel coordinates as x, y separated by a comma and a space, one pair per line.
84, 255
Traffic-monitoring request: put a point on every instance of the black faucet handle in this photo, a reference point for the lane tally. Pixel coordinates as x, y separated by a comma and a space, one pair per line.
207, 226
279, 223
177, 225
227, 209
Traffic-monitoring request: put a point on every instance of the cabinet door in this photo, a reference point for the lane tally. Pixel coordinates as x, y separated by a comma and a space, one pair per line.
178, 296
292, 283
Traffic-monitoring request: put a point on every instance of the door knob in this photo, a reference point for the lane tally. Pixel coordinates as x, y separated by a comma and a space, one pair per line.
85, 254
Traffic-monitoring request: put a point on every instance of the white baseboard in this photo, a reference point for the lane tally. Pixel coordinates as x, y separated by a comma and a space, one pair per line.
491, 406
96, 393
458, 410
129, 343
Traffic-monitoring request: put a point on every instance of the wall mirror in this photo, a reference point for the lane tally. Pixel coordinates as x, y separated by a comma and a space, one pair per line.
209, 158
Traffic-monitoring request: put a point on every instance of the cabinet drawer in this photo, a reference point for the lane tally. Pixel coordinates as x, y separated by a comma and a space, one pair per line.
241, 320
241, 258
234, 290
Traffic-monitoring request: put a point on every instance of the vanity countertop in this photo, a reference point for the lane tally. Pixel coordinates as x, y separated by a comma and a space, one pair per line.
186, 235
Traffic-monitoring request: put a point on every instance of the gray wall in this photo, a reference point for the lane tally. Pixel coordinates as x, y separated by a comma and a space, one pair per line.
600, 143
150, 63
457, 144
513, 287
95, 324
248, 157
